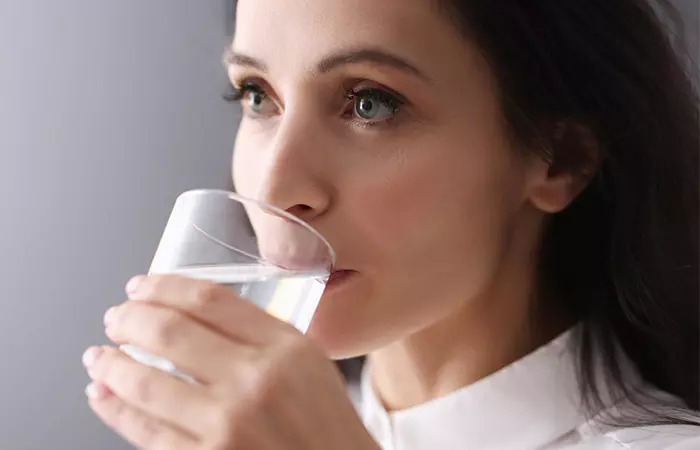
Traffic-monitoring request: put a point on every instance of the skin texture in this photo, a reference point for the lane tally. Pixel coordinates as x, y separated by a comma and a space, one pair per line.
429, 204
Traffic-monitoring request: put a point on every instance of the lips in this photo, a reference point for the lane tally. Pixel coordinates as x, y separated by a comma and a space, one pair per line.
338, 276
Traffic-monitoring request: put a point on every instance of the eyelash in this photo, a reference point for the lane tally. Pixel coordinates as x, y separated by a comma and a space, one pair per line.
390, 100
393, 101
236, 94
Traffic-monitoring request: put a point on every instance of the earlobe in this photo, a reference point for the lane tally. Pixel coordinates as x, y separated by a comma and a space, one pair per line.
575, 159
556, 192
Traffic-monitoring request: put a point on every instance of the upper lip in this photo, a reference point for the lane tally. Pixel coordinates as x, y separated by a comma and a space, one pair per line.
336, 272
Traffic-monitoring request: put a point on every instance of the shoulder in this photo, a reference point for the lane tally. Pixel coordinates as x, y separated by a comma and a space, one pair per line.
660, 437
596, 435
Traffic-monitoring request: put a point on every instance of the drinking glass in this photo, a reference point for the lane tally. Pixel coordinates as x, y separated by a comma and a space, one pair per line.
264, 254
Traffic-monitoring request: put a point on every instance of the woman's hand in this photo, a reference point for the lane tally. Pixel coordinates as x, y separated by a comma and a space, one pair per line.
263, 385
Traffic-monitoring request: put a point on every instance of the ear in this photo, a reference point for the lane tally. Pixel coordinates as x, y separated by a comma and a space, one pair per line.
574, 157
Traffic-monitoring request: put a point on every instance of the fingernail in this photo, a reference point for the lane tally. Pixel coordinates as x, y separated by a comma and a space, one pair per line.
133, 285
90, 356
110, 315
96, 391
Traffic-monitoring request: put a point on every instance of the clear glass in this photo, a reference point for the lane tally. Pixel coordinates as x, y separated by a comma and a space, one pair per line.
266, 255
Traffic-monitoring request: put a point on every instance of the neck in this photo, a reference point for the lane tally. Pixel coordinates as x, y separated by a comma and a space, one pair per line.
484, 335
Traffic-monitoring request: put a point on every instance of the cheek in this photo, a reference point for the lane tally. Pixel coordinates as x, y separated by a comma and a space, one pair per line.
438, 204
247, 165
432, 231
443, 222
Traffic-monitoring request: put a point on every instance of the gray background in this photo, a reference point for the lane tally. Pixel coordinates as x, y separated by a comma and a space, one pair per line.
108, 109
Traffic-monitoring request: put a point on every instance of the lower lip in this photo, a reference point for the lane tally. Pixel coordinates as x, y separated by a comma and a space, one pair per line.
339, 278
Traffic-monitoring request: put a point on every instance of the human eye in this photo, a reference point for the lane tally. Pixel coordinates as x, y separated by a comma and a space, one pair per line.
254, 99
372, 106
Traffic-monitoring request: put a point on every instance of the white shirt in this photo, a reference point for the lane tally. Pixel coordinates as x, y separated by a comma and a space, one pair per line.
530, 404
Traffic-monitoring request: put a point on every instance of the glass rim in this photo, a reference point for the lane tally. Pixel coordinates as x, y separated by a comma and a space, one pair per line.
270, 208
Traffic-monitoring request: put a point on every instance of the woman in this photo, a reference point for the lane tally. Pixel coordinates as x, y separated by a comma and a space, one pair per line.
512, 191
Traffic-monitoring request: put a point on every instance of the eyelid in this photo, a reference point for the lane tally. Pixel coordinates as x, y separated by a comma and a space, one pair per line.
257, 84
235, 91
235, 94
394, 100
380, 91
387, 96
238, 92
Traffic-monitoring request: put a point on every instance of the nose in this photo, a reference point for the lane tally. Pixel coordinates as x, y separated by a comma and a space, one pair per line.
295, 172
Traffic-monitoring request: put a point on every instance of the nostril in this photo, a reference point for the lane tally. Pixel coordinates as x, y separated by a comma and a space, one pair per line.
300, 210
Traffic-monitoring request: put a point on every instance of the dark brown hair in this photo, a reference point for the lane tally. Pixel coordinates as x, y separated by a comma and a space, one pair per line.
623, 258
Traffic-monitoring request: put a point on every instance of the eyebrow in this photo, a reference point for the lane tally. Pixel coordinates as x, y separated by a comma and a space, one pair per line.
233, 58
335, 61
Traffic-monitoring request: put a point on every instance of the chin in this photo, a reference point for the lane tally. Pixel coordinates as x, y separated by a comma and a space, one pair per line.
336, 334
342, 322
344, 336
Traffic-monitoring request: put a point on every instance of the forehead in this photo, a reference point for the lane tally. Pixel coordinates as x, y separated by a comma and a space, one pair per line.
299, 32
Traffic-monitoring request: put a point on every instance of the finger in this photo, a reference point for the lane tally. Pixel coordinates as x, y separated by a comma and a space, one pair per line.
213, 304
202, 352
156, 393
137, 427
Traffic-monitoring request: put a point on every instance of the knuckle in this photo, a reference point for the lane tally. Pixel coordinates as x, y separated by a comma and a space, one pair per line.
266, 387
148, 433
127, 318
106, 366
156, 284
116, 417
145, 431
206, 295
296, 348
120, 315
100, 367
140, 388
293, 351
168, 329
270, 381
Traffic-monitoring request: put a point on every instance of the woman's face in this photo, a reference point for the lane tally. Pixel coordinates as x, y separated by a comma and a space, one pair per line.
377, 123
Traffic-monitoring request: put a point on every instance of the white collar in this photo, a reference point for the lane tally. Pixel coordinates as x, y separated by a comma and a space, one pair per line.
528, 404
